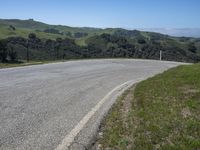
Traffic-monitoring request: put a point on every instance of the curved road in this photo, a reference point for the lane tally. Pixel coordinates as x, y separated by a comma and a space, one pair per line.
41, 105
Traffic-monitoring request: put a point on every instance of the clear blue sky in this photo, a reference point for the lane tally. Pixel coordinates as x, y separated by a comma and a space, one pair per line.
107, 13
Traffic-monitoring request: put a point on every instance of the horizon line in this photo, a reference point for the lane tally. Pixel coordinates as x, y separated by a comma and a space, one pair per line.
100, 27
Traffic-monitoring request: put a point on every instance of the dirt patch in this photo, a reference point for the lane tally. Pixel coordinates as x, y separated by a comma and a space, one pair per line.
126, 105
186, 112
187, 89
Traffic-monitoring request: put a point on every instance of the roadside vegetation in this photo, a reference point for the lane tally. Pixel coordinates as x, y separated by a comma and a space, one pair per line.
23, 63
162, 113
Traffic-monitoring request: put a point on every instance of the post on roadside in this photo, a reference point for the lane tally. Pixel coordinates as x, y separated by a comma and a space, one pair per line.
160, 55
27, 50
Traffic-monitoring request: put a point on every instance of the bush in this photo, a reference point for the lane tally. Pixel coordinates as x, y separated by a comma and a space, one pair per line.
3, 51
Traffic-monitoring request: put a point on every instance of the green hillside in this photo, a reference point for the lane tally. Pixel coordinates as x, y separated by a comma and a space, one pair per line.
92, 42
24, 27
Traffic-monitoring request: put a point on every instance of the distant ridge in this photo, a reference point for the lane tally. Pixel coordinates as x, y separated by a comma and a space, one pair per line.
179, 32
37, 25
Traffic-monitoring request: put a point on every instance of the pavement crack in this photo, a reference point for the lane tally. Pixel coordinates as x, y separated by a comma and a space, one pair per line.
77, 145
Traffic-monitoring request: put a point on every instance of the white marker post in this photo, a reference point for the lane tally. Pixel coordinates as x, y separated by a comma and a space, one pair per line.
160, 55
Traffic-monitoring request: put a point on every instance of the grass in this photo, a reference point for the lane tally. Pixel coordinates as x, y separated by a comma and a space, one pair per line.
10, 65
5, 32
81, 41
164, 114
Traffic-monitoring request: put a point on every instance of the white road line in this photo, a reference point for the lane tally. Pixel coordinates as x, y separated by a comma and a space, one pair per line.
67, 141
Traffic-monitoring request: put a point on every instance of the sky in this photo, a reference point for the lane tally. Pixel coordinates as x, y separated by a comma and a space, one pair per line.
106, 13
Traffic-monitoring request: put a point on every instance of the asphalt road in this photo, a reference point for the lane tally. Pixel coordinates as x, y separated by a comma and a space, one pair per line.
40, 105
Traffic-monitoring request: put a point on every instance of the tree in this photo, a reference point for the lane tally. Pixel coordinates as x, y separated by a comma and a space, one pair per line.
192, 47
3, 51
141, 40
12, 27
32, 36
53, 31
12, 54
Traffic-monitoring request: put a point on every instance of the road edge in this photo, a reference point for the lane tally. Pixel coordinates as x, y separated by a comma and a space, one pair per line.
79, 137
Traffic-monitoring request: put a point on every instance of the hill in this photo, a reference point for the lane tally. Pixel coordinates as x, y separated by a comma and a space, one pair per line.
24, 27
52, 42
187, 32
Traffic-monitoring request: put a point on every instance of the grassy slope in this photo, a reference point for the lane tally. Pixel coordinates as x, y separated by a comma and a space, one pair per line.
5, 32
24, 27
165, 114
23, 31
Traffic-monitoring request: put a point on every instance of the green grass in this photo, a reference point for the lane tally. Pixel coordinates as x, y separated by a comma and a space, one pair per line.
81, 41
24, 27
164, 114
11, 65
5, 32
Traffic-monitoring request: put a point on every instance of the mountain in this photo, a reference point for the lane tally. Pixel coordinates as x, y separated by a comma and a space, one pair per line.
179, 32
50, 42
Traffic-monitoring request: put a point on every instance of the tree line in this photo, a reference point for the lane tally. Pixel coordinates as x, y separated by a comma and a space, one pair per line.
14, 49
